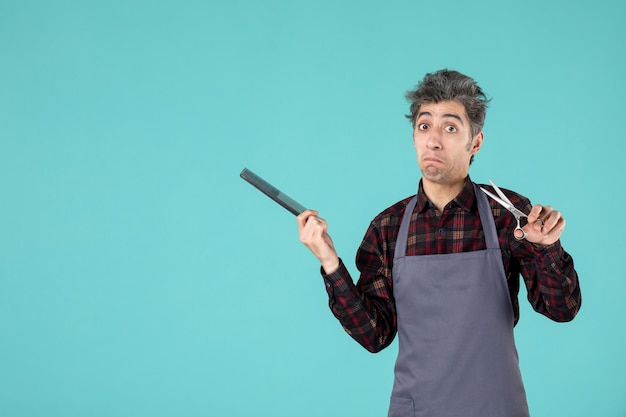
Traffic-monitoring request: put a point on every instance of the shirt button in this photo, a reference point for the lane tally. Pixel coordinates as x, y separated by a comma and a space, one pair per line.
441, 231
328, 284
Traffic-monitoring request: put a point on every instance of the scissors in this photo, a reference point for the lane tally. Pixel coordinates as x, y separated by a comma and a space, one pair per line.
519, 233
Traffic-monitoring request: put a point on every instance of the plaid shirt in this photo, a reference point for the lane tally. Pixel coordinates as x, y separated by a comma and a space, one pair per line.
367, 310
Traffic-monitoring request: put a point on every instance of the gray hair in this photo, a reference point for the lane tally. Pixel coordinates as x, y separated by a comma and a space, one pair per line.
446, 85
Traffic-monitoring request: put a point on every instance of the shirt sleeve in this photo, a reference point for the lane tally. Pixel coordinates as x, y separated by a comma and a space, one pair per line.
550, 277
365, 310
551, 281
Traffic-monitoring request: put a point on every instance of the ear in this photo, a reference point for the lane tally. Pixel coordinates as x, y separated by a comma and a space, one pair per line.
477, 142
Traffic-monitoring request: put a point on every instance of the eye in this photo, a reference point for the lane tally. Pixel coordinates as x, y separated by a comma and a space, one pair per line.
450, 129
422, 126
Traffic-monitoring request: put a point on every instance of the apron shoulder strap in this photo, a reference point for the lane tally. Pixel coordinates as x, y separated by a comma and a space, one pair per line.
403, 233
486, 218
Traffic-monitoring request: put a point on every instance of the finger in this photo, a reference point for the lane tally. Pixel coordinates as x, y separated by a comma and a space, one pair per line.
318, 224
314, 230
554, 221
538, 211
539, 215
554, 234
303, 217
306, 214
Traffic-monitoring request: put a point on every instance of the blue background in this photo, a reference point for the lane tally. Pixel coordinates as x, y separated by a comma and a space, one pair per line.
140, 276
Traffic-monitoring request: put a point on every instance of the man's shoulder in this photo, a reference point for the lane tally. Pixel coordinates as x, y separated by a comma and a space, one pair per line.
392, 214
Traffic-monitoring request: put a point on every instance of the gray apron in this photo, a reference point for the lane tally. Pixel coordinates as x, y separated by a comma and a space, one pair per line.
457, 354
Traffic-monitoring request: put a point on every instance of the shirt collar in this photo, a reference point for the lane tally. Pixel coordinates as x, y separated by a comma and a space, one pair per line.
465, 199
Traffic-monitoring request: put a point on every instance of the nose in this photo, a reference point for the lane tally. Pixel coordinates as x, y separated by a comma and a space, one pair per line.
433, 140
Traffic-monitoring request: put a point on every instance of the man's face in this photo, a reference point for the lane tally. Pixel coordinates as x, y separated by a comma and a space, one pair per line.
443, 141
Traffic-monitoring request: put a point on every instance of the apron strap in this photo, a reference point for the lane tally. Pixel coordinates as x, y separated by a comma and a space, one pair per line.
403, 233
486, 218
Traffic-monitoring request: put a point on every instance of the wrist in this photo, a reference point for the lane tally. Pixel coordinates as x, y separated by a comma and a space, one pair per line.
330, 265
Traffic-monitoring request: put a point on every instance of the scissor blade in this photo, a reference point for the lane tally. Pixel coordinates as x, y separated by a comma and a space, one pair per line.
507, 205
498, 199
500, 193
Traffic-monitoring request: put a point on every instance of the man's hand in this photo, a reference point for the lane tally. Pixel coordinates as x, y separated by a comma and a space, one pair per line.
314, 234
545, 225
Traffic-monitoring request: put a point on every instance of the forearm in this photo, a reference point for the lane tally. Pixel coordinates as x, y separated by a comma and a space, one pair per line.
368, 318
552, 282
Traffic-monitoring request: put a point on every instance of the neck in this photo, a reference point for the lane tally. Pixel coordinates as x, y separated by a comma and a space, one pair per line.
441, 194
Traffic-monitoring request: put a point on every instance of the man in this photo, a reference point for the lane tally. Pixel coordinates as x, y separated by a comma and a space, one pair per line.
442, 268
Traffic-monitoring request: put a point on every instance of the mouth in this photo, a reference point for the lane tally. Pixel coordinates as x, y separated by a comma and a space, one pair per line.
432, 159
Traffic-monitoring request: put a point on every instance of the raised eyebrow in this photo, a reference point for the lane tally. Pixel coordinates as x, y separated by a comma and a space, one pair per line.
451, 115
454, 116
424, 113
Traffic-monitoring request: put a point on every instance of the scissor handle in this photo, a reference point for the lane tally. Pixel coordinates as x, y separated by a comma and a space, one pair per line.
519, 233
